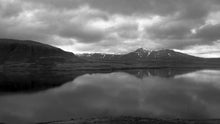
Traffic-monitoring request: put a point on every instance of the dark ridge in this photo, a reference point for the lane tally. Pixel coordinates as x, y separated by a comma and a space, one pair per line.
28, 51
33, 81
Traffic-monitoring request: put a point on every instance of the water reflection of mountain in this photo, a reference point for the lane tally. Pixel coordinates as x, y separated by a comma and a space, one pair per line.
32, 82
23, 82
15, 82
164, 73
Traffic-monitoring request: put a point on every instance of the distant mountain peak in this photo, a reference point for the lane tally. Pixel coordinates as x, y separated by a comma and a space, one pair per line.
142, 50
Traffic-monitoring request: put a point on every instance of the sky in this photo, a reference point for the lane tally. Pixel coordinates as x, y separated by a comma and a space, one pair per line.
115, 26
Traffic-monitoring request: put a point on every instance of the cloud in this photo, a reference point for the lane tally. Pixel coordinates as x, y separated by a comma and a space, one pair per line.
9, 9
42, 24
112, 25
208, 51
170, 32
209, 32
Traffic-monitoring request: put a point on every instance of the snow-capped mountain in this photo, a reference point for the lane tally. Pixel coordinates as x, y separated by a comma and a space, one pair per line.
165, 54
99, 56
140, 54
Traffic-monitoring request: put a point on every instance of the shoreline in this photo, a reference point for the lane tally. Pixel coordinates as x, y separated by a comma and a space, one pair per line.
132, 120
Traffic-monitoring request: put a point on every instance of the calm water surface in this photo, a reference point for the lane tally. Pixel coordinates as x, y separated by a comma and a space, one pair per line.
147, 93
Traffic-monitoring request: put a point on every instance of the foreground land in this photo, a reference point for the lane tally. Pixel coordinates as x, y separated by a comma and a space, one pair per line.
131, 120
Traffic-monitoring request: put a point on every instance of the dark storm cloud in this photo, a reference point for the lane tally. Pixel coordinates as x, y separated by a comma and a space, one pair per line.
192, 9
172, 33
209, 33
186, 8
10, 10
81, 34
59, 4
161, 7
170, 30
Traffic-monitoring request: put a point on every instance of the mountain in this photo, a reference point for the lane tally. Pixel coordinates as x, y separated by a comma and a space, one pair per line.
30, 56
99, 56
25, 55
30, 51
141, 55
150, 58
146, 55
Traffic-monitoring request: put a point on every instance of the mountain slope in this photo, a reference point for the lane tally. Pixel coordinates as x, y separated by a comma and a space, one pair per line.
30, 51
159, 55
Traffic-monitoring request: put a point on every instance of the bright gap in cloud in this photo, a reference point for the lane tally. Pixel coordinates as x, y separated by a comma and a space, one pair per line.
207, 51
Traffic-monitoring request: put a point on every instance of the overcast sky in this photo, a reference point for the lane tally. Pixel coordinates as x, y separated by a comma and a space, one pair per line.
115, 26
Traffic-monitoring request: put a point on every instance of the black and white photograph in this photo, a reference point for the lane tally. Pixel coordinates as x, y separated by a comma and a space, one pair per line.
109, 61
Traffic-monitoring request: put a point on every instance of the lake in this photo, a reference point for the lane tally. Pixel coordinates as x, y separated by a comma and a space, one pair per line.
156, 93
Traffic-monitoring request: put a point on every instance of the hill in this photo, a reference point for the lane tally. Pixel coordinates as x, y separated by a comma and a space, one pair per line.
30, 51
